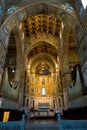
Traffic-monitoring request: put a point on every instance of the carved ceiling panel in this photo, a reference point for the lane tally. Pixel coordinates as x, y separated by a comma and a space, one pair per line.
43, 49
41, 23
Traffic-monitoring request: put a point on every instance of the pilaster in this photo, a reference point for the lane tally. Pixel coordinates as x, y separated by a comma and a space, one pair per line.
2, 62
81, 41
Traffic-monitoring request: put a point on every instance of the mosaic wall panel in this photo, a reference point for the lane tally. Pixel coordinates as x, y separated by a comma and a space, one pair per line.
36, 85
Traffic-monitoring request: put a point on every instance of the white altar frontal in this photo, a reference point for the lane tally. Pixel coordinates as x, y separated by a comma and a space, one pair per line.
43, 109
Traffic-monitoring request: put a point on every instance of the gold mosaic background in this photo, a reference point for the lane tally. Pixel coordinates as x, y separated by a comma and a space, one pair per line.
36, 85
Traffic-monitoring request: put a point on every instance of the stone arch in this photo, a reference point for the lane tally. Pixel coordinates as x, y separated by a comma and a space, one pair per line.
44, 42
14, 19
49, 60
49, 64
21, 14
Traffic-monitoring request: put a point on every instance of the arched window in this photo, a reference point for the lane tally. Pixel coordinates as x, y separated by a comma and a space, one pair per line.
84, 2
43, 91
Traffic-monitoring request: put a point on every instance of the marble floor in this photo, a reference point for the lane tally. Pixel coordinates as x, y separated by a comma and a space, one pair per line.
42, 118
44, 113
41, 121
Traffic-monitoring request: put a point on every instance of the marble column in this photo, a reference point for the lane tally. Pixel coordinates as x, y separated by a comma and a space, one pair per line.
2, 62
64, 64
20, 66
81, 42
1, 72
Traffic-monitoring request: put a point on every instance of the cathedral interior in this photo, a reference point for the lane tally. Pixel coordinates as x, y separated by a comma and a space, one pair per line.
43, 54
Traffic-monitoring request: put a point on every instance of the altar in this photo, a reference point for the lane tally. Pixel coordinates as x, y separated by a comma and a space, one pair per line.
43, 109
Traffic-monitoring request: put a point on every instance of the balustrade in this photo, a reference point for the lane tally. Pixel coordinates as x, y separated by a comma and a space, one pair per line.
13, 125
71, 124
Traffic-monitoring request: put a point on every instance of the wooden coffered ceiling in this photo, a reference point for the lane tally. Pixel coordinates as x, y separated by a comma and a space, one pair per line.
43, 49
41, 23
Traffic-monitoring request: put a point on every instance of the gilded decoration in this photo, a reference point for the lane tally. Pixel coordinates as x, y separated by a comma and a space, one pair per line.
43, 80
41, 29
48, 85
